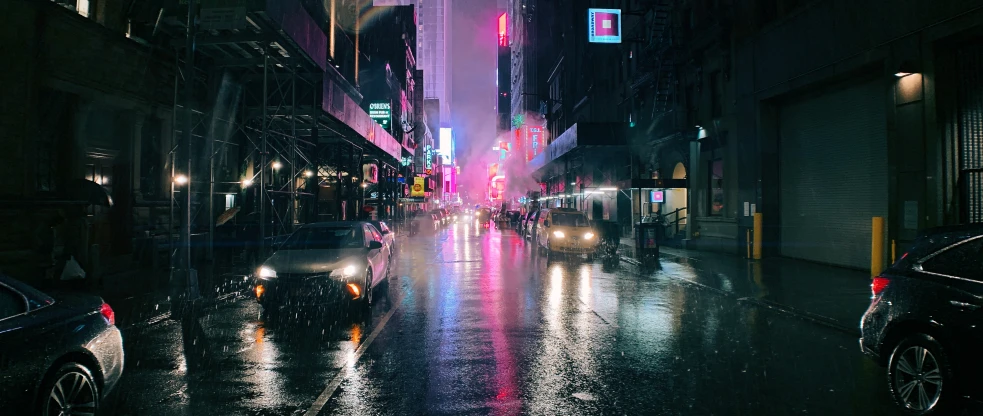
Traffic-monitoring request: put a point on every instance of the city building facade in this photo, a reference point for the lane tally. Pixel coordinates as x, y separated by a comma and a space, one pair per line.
726, 109
264, 130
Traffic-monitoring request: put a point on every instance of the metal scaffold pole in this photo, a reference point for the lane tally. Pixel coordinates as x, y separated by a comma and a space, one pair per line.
263, 159
293, 152
184, 258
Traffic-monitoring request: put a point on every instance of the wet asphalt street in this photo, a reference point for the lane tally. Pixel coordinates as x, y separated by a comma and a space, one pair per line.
476, 322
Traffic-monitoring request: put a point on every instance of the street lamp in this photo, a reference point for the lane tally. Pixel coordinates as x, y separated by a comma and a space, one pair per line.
180, 179
308, 173
277, 165
246, 183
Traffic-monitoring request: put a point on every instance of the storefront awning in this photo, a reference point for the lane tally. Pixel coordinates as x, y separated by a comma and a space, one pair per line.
582, 135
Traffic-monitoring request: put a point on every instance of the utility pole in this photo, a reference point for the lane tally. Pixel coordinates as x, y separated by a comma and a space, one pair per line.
184, 256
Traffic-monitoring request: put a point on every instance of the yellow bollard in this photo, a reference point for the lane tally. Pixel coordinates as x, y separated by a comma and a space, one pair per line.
877, 246
758, 234
894, 251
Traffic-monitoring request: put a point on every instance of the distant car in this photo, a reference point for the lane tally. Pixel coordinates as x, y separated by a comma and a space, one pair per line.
484, 215
439, 215
322, 263
58, 355
388, 236
925, 320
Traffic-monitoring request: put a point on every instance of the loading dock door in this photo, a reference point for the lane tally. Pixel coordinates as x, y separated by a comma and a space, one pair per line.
833, 168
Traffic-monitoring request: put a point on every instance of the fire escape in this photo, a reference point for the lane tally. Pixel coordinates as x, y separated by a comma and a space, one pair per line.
653, 85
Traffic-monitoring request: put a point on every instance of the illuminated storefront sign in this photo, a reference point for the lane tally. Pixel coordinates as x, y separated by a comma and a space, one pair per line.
604, 25
417, 188
381, 112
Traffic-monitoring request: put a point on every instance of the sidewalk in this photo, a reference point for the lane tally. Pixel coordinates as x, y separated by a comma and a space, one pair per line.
828, 295
143, 296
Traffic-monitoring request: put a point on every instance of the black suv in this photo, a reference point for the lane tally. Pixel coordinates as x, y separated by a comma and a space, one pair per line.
925, 322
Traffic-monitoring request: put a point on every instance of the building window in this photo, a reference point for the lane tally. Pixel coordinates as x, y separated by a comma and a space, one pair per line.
716, 175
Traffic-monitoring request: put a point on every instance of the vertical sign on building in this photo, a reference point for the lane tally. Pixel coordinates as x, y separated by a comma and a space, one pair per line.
503, 37
535, 147
504, 75
445, 145
604, 25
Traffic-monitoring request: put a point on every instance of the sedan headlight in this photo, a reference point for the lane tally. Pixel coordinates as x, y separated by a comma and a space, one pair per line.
347, 271
588, 236
558, 234
266, 273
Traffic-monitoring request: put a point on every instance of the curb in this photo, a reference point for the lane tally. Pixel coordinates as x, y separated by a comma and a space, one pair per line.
775, 306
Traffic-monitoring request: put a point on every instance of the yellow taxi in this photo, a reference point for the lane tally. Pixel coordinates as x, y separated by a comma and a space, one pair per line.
566, 230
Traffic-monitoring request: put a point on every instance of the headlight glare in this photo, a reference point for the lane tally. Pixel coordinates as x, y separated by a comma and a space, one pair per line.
588, 236
347, 271
266, 273
558, 234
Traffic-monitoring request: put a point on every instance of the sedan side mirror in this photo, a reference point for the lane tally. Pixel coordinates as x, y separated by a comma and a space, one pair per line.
374, 245
546, 224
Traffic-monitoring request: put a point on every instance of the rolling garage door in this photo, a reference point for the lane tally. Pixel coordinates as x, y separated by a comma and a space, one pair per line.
833, 167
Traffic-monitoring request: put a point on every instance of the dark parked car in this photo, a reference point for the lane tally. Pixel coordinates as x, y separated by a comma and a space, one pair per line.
925, 322
58, 355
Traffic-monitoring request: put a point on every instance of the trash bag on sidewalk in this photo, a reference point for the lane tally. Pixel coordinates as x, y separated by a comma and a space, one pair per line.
73, 270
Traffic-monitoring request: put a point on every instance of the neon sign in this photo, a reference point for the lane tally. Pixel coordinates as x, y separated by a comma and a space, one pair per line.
503, 39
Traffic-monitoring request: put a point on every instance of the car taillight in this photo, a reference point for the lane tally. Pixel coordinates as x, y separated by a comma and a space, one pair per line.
107, 312
878, 285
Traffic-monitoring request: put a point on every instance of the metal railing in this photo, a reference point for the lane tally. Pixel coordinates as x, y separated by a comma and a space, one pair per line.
674, 224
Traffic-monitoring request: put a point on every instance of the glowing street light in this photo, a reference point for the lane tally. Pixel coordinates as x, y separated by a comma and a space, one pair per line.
308, 173
246, 182
180, 179
277, 165
365, 185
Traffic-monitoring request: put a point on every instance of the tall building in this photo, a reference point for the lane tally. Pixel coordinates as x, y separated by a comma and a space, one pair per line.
433, 47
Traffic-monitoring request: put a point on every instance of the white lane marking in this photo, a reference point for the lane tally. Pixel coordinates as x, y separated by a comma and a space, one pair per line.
329, 391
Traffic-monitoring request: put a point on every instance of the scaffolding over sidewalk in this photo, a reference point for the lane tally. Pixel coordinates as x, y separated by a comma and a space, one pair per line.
271, 123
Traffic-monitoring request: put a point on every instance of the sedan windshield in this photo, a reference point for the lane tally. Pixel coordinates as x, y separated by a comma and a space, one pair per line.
569, 220
324, 238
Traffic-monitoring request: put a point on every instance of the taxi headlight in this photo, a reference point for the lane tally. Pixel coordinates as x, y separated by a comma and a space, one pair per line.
558, 234
588, 236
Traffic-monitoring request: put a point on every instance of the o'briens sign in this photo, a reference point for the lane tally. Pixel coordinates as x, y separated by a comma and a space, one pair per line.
381, 112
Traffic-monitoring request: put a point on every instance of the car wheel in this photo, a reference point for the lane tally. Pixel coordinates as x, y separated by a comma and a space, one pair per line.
916, 374
71, 390
367, 296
